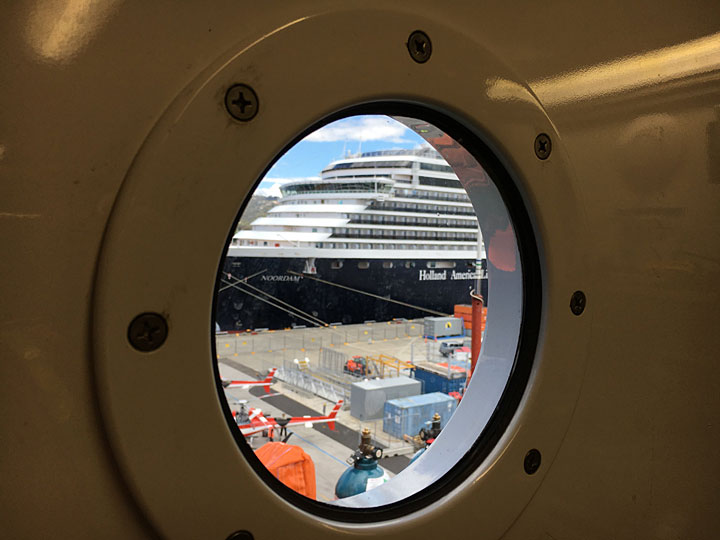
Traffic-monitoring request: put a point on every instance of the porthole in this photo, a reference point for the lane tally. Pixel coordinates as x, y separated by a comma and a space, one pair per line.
289, 391
198, 167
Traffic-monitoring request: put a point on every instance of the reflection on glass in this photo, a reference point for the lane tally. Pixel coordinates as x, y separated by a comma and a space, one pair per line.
343, 307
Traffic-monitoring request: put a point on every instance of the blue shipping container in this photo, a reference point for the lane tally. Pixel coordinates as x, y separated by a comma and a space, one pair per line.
405, 416
435, 382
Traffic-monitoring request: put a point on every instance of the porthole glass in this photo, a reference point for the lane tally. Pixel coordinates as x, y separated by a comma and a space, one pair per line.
349, 385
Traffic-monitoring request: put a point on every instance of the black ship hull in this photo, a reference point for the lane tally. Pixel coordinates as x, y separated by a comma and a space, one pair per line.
260, 292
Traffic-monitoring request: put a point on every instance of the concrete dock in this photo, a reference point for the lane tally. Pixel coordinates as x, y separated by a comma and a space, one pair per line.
249, 355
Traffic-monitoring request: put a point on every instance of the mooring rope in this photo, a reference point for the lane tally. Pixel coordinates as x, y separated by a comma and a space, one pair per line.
306, 319
245, 283
306, 276
243, 279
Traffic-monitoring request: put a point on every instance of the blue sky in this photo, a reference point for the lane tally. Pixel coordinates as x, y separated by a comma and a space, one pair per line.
356, 133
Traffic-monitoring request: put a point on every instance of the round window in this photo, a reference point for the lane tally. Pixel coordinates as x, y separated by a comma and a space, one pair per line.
376, 313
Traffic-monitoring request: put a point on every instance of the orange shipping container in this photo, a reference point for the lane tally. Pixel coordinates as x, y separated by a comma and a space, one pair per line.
464, 312
291, 465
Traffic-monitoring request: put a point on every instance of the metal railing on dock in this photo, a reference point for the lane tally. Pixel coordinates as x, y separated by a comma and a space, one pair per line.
310, 382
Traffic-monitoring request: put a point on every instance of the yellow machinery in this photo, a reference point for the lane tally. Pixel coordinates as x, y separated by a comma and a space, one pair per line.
388, 366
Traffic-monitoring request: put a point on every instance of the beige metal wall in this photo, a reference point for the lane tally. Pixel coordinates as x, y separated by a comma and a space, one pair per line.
632, 90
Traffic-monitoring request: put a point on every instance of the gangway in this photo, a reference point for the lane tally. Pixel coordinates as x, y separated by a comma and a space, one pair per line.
314, 383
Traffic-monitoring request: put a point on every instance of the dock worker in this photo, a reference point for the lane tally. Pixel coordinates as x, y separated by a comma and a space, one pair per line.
283, 422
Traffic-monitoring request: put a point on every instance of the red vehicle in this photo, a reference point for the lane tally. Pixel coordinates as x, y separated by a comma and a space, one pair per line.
357, 365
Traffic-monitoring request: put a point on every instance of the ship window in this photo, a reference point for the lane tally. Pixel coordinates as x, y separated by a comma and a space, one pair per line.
435, 167
439, 182
363, 265
387, 264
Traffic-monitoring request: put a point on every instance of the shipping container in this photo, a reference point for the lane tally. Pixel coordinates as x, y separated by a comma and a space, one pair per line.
439, 379
464, 312
435, 327
405, 416
367, 398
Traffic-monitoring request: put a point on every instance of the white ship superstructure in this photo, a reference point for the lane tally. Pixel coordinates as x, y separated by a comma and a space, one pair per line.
379, 235
390, 204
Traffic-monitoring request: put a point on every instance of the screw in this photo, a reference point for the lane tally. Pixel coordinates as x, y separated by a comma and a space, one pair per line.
577, 302
241, 102
419, 46
147, 332
241, 535
543, 146
532, 461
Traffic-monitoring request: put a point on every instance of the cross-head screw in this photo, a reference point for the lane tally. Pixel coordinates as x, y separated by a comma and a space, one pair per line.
241, 102
577, 302
532, 461
147, 332
419, 46
543, 146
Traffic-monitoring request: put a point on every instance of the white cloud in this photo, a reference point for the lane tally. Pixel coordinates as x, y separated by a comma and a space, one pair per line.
370, 128
270, 187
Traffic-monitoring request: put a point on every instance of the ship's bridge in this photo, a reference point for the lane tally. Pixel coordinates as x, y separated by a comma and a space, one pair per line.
373, 186
394, 158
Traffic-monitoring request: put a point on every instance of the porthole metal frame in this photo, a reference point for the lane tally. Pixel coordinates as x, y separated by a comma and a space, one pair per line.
161, 411
526, 345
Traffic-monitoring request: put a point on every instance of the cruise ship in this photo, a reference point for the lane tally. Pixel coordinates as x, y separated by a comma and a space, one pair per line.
379, 236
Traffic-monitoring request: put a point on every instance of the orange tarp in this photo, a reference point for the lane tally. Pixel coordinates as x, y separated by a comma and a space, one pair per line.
289, 464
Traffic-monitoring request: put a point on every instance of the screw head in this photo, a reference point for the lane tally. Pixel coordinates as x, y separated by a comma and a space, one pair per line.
532, 461
241, 535
241, 102
543, 146
419, 46
577, 302
147, 332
